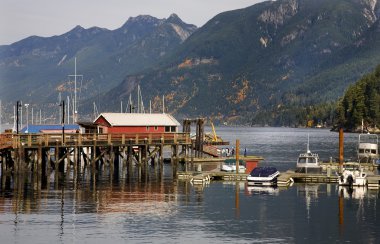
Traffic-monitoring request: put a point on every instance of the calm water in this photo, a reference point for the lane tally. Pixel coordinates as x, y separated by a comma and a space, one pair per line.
155, 209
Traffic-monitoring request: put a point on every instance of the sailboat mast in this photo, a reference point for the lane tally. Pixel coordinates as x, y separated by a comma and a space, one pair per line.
75, 89
163, 104
138, 98
0, 116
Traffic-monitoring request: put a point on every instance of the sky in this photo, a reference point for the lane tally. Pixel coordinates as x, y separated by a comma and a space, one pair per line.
23, 18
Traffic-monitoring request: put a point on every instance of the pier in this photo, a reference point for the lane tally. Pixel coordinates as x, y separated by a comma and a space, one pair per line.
19, 152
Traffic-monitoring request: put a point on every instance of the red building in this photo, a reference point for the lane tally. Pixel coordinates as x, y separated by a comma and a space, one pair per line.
136, 123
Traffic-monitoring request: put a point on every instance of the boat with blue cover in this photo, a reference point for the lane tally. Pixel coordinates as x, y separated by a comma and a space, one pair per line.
263, 176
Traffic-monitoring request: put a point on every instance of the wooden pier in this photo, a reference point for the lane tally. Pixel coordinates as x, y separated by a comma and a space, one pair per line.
20, 152
288, 177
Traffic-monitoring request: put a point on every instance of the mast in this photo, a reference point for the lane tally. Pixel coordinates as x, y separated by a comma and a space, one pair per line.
130, 106
75, 89
68, 109
138, 98
75, 108
14, 118
0, 116
163, 104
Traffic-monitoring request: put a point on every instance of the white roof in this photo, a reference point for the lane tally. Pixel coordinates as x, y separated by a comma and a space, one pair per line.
139, 119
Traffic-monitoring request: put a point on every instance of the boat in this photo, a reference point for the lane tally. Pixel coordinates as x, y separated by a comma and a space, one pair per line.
263, 176
352, 175
367, 152
229, 165
368, 149
308, 162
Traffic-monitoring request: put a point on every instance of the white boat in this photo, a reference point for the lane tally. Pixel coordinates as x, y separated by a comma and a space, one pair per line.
368, 149
263, 176
229, 165
352, 175
308, 162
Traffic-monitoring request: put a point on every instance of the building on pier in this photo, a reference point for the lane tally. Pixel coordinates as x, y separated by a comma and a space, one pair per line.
136, 123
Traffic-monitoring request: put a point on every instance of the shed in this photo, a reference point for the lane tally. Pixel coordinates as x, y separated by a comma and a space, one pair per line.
136, 123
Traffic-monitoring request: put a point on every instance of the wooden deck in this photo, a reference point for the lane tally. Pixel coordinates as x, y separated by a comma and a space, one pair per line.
51, 140
288, 177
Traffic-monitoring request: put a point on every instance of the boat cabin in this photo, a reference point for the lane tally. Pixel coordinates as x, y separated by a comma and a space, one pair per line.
308, 162
368, 148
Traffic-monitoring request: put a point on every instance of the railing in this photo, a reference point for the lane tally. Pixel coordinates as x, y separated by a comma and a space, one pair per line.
49, 140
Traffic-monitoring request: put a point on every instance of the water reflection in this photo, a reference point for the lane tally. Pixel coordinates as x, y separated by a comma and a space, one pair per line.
150, 206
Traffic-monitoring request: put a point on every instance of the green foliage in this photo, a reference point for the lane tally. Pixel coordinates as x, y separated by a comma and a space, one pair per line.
361, 102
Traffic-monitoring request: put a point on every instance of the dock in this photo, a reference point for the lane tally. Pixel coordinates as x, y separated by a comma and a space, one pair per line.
19, 152
205, 177
286, 178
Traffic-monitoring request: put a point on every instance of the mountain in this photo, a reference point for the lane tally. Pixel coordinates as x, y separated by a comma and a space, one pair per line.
264, 64
36, 69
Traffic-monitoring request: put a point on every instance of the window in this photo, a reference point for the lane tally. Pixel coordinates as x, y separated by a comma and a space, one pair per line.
167, 128
156, 128
172, 128
147, 128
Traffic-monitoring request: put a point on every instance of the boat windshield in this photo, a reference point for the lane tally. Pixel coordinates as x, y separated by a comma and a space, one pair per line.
307, 160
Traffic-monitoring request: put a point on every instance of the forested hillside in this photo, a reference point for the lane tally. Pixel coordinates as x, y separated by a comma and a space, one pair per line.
360, 103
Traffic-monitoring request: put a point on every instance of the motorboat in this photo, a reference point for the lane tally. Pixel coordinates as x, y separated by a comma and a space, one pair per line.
308, 162
229, 165
263, 176
352, 175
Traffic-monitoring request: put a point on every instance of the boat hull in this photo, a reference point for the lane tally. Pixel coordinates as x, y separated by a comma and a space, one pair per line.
353, 178
270, 180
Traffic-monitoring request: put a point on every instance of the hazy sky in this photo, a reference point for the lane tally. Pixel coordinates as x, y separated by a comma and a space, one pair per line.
22, 18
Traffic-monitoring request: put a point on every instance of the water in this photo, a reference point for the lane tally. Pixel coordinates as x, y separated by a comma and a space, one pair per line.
156, 209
